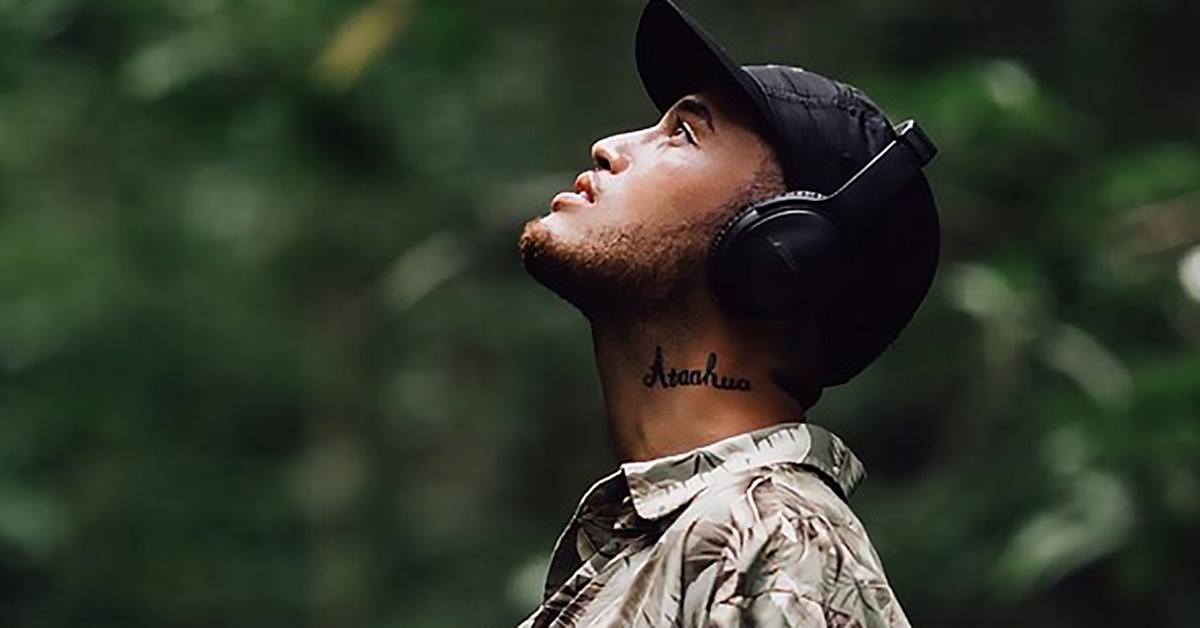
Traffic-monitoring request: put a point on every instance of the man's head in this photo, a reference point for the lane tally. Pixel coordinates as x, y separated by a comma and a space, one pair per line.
634, 234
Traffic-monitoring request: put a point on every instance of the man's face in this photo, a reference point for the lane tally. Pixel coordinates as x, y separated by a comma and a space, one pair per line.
635, 231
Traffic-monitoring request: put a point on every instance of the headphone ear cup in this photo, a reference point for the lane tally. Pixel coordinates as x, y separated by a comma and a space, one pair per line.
772, 262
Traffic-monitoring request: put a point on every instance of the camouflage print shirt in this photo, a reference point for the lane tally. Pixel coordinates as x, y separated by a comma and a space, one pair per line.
751, 530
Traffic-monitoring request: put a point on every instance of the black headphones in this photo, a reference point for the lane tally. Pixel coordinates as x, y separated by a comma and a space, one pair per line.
778, 255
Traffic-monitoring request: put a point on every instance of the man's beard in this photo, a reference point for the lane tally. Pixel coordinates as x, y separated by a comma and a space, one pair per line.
622, 269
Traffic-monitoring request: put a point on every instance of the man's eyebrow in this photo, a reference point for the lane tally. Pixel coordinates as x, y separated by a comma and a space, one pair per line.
693, 105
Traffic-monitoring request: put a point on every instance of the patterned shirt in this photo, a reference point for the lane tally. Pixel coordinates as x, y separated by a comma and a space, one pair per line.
752, 530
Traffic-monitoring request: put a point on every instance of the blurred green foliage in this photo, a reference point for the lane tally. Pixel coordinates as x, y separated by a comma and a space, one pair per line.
268, 357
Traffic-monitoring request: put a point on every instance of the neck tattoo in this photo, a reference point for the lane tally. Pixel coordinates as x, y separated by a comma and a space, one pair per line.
691, 377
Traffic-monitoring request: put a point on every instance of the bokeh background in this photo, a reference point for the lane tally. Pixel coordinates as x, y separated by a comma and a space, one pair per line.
268, 357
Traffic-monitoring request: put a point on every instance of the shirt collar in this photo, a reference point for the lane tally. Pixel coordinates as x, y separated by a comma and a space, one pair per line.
662, 485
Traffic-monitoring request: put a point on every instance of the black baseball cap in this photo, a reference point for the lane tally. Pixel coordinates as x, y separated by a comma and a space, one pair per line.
823, 132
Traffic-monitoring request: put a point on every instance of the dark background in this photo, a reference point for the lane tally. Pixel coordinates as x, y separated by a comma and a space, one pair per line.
268, 357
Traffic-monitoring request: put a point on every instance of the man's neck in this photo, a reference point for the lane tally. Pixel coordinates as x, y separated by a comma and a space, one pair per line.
674, 383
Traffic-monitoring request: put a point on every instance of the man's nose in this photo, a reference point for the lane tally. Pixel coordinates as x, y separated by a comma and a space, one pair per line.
611, 153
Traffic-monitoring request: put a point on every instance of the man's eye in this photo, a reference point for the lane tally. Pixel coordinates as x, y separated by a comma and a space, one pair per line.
682, 127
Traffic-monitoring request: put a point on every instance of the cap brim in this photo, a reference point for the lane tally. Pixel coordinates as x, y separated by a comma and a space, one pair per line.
676, 57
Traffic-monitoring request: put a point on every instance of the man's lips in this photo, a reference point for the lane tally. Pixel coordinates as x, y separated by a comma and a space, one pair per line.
585, 192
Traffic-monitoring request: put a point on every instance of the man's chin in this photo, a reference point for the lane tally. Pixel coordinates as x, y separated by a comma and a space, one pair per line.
608, 270
555, 263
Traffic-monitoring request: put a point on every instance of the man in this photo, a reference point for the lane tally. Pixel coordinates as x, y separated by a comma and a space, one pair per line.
728, 508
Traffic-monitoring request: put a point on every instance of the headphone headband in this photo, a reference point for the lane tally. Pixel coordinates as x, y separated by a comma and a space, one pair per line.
860, 198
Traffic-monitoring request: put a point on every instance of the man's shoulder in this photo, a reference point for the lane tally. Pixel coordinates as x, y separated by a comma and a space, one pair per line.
768, 495
784, 513
783, 541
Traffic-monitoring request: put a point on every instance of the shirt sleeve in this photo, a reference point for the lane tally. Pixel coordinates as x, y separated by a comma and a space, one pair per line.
772, 564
